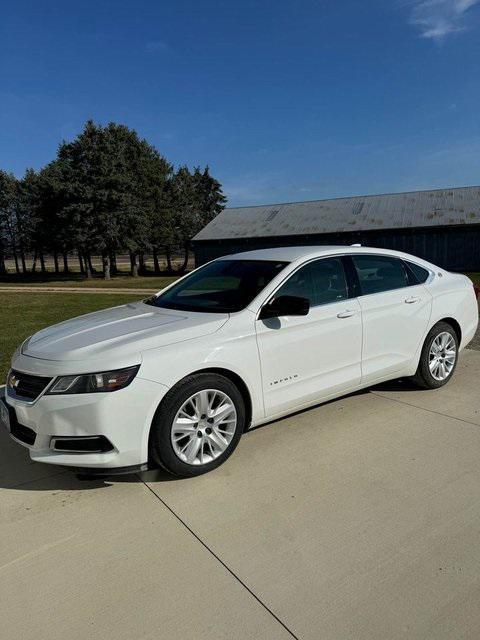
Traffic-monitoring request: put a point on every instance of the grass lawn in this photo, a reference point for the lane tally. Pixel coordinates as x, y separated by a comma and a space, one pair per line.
72, 280
23, 314
475, 277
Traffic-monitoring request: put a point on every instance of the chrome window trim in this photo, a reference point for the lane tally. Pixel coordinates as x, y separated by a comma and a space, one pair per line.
386, 255
349, 255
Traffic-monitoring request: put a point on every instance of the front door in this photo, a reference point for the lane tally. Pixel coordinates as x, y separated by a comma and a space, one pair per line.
309, 358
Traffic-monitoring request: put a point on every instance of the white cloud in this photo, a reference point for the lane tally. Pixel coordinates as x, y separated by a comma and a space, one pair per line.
438, 18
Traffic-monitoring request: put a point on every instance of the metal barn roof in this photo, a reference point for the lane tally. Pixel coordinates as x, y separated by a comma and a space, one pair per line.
439, 207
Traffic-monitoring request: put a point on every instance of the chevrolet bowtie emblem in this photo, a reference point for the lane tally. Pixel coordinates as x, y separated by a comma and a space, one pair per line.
14, 381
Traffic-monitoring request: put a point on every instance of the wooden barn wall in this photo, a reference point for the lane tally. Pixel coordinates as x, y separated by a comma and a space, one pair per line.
453, 248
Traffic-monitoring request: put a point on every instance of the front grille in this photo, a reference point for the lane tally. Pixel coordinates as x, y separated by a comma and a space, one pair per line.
25, 386
23, 433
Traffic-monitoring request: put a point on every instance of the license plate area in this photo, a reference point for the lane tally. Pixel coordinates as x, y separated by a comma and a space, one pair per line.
4, 415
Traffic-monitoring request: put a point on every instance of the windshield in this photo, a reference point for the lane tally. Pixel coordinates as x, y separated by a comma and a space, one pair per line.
223, 286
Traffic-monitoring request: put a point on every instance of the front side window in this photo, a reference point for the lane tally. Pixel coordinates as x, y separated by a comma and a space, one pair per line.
380, 273
321, 282
222, 286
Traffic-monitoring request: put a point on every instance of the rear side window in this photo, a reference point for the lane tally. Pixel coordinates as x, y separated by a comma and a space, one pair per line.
380, 273
322, 282
420, 275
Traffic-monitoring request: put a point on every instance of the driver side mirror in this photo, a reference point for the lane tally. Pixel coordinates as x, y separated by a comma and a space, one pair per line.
285, 306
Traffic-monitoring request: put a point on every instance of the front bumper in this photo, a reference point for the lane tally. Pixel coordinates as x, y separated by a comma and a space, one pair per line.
121, 417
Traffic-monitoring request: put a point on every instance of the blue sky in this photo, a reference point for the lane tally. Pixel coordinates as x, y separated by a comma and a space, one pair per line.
284, 100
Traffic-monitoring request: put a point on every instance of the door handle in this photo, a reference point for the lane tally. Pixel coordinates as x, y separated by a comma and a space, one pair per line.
412, 300
346, 314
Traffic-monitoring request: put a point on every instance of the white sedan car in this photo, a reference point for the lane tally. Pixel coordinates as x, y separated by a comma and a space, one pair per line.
176, 379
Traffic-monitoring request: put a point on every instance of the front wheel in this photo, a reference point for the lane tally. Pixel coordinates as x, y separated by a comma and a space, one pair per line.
439, 357
198, 425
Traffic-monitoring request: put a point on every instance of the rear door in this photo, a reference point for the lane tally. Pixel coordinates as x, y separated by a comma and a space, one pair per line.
395, 311
305, 358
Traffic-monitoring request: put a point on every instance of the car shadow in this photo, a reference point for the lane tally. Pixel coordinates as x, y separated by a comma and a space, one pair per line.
401, 384
18, 472
64, 479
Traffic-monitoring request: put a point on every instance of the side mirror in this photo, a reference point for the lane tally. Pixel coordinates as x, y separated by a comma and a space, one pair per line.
285, 306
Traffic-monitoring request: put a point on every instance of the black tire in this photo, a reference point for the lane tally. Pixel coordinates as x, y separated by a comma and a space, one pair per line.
161, 450
423, 377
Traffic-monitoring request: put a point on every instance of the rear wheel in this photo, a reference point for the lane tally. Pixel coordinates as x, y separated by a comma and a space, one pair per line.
198, 425
439, 357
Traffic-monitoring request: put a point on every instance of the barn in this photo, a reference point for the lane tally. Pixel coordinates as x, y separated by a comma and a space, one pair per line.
442, 226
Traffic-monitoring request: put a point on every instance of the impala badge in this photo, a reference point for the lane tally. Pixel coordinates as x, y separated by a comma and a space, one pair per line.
287, 379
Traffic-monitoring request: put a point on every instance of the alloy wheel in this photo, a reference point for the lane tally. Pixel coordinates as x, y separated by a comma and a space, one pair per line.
442, 356
204, 427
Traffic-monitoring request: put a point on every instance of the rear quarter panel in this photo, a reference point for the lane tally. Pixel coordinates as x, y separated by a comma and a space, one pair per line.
454, 297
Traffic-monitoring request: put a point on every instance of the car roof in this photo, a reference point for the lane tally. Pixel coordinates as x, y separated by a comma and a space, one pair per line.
293, 254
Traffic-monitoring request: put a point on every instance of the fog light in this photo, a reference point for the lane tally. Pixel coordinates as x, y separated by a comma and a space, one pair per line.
81, 444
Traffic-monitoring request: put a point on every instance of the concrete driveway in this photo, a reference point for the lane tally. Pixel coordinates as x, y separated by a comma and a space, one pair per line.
358, 519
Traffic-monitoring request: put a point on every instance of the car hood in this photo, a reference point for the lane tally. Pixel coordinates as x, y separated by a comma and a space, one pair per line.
120, 331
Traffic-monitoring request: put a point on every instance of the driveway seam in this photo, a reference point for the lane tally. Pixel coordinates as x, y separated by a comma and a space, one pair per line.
438, 413
224, 565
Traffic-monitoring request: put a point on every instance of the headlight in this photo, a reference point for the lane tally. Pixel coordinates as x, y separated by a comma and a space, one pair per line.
95, 382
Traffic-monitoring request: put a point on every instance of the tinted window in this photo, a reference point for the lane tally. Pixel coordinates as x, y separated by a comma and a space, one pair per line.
420, 274
222, 286
380, 273
322, 281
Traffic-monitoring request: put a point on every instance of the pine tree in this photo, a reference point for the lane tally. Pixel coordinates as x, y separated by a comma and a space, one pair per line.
54, 229
212, 199
107, 191
32, 235
111, 180
8, 222
197, 199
